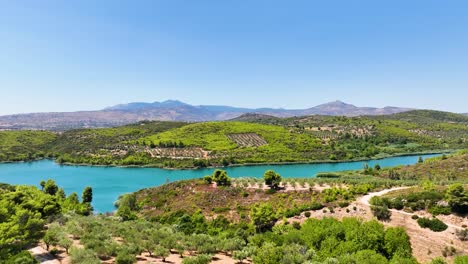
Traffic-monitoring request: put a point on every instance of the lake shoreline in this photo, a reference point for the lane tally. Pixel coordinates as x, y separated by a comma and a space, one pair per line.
246, 164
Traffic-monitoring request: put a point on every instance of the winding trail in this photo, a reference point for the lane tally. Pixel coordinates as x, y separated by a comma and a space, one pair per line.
43, 256
426, 244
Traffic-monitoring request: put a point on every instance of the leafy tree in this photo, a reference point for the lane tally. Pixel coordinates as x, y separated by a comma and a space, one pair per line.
208, 179
87, 196
125, 257
83, 256
161, 252
272, 179
295, 254
369, 257
65, 242
397, 242
61, 195
269, 253
381, 212
24, 257
42, 183
126, 206
221, 178
263, 217
200, 259
457, 198
242, 255
232, 244
50, 187
52, 236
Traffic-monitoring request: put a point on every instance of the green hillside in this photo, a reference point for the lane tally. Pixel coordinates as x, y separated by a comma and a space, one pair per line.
257, 140
24, 145
214, 136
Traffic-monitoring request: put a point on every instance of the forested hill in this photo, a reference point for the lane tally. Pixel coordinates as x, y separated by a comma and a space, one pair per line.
257, 139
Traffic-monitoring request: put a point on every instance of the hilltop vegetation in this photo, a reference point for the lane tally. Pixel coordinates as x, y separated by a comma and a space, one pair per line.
24, 212
259, 140
24, 145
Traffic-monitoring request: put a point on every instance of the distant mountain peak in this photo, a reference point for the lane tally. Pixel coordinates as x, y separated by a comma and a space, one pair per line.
176, 110
141, 105
171, 103
335, 104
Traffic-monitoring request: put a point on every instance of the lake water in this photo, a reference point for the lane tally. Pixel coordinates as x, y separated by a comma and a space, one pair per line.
110, 182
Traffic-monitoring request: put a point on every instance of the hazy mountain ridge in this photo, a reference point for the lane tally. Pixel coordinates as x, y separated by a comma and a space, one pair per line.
173, 110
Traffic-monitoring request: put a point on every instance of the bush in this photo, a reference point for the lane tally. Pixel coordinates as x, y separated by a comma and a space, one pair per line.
397, 204
125, 258
200, 259
438, 210
462, 234
208, 179
414, 217
449, 251
435, 224
315, 206
461, 260
328, 175
438, 261
343, 204
79, 256
307, 214
381, 212
24, 257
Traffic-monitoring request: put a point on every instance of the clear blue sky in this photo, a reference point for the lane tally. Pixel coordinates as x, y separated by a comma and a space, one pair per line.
64, 56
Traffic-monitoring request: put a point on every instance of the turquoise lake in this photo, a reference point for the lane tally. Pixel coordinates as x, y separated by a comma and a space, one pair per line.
110, 182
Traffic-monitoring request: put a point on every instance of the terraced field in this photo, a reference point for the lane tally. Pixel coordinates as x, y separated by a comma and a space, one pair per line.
247, 139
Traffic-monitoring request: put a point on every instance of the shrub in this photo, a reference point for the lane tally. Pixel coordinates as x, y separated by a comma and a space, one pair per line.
414, 217
296, 225
221, 178
462, 234
461, 260
343, 204
54, 251
449, 251
208, 179
272, 179
125, 258
438, 210
315, 206
396, 204
438, 261
381, 212
79, 256
307, 214
435, 224
200, 259
328, 175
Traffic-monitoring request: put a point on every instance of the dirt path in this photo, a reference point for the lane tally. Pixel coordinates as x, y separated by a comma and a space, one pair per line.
43, 256
366, 198
425, 243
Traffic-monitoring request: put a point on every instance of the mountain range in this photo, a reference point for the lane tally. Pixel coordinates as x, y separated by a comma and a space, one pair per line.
173, 110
